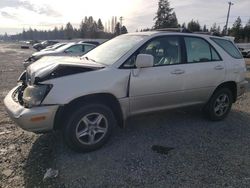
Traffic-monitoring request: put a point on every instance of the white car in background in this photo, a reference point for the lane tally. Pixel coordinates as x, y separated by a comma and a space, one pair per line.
70, 49
53, 47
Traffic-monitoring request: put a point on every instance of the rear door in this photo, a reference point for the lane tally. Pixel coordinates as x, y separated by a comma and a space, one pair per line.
204, 69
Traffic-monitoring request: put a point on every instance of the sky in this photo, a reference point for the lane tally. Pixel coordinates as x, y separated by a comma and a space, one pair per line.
138, 14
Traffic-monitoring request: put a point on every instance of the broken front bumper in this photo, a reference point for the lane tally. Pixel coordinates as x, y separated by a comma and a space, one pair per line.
37, 119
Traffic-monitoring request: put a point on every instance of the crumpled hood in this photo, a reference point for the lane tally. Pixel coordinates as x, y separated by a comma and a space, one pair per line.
47, 65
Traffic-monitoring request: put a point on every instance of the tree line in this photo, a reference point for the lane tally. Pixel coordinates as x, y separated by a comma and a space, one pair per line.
166, 18
89, 28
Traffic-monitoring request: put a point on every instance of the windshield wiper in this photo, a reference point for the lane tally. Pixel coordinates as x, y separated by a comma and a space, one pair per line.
89, 59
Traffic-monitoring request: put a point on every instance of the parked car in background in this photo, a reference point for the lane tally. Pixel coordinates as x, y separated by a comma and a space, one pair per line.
32, 42
246, 53
53, 47
128, 75
90, 42
244, 49
44, 44
70, 49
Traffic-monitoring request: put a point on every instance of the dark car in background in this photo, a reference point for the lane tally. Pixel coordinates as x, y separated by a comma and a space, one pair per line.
246, 53
244, 49
44, 44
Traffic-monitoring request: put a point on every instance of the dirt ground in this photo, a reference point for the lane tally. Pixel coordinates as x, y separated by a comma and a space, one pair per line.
197, 153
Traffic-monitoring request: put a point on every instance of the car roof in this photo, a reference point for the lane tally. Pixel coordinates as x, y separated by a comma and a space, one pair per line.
68, 45
161, 33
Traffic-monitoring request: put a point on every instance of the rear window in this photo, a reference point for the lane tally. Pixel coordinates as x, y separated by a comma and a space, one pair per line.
229, 47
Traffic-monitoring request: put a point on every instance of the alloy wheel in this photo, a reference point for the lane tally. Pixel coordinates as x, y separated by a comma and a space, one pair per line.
221, 104
91, 128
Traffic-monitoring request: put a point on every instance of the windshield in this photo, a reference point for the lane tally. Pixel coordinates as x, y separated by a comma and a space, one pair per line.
112, 50
64, 47
56, 46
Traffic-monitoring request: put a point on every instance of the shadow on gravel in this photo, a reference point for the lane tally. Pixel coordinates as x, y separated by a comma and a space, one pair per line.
40, 158
161, 149
205, 154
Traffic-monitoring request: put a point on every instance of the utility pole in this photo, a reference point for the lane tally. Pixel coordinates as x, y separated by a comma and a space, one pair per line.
121, 19
228, 13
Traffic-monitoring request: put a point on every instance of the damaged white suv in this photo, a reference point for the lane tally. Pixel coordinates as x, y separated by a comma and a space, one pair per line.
128, 75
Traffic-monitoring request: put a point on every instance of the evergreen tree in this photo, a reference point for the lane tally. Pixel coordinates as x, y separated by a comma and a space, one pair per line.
205, 28
61, 33
93, 30
183, 25
194, 26
83, 28
215, 28
238, 23
124, 30
5, 37
165, 16
247, 32
55, 33
236, 30
69, 31
30, 34
100, 25
117, 30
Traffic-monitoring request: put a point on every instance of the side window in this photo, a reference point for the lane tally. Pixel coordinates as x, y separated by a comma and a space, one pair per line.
229, 47
165, 50
198, 50
74, 49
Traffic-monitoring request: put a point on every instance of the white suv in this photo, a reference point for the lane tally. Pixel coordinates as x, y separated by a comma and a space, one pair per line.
128, 75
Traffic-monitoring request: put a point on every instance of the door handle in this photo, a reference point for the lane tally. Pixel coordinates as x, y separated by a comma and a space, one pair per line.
178, 71
219, 67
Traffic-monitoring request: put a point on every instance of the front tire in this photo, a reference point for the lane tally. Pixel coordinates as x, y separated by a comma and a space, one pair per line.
89, 127
219, 104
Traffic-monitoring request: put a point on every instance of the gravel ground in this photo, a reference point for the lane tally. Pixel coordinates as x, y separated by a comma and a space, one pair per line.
196, 153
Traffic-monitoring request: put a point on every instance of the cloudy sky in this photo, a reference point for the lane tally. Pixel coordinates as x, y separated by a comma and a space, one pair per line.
45, 14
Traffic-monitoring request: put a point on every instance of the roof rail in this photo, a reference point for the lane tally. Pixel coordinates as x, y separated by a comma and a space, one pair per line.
208, 33
179, 29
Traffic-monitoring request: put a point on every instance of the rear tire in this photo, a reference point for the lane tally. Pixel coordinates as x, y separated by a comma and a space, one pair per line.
89, 127
219, 104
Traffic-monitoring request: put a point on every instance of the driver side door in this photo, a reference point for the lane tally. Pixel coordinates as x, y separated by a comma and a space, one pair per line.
161, 86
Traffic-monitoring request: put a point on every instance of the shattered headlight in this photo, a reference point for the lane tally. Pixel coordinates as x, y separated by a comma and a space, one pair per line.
35, 94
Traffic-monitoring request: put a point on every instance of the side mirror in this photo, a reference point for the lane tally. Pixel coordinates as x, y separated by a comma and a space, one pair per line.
144, 60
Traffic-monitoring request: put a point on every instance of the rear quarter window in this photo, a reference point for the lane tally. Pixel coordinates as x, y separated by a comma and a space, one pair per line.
228, 47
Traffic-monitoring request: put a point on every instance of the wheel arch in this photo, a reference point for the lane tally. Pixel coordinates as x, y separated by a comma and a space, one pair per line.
104, 98
230, 85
